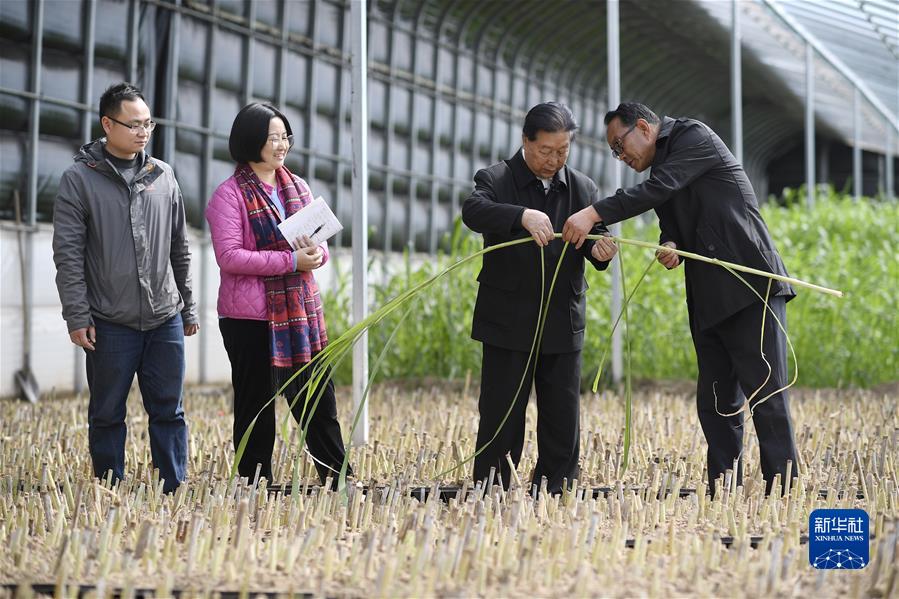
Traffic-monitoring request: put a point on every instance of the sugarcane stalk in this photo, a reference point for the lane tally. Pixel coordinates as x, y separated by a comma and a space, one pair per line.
723, 263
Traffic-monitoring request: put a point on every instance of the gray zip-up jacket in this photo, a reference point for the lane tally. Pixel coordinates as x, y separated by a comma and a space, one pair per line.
121, 251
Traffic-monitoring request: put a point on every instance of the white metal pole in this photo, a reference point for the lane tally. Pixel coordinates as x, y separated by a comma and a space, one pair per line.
890, 193
33, 159
87, 121
207, 186
170, 93
810, 185
736, 83
614, 68
360, 210
856, 144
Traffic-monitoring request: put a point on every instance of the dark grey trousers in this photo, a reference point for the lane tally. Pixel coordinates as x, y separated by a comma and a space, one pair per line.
731, 368
557, 384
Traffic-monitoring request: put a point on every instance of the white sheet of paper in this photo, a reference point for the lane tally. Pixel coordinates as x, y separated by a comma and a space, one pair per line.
315, 220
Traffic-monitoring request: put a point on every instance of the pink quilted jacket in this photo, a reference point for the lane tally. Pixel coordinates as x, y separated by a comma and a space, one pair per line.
242, 266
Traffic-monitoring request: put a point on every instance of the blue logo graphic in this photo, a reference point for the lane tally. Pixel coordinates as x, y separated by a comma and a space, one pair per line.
838, 539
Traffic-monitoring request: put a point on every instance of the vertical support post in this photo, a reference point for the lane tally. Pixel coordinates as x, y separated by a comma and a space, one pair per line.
455, 135
810, 184
736, 82
856, 144
90, 27
206, 184
614, 68
37, 45
90, 17
435, 147
890, 182
281, 84
360, 210
168, 141
412, 200
311, 85
133, 32
248, 55
387, 220
340, 124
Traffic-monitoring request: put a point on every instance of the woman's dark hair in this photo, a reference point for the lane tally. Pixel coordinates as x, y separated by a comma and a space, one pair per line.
550, 117
112, 98
629, 112
249, 133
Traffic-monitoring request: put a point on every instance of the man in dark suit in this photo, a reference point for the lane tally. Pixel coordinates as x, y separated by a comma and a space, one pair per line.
706, 205
532, 193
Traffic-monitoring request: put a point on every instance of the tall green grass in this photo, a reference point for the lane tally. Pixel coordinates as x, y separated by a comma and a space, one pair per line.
853, 341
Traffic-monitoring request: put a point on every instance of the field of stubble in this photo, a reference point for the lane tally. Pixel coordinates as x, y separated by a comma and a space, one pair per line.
400, 531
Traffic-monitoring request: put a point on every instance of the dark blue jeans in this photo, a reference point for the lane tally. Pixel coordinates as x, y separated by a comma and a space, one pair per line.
157, 357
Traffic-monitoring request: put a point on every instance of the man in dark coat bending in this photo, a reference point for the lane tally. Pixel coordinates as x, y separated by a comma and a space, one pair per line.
706, 205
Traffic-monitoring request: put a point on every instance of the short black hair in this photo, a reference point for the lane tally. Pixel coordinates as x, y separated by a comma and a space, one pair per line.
551, 117
115, 94
630, 112
249, 133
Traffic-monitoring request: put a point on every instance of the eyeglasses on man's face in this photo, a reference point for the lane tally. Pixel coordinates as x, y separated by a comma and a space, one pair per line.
281, 140
135, 127
618, 144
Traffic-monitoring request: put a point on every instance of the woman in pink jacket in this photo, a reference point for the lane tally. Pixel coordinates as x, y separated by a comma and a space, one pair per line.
269, 305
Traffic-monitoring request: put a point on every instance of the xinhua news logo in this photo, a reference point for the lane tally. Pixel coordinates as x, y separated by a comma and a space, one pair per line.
838, 539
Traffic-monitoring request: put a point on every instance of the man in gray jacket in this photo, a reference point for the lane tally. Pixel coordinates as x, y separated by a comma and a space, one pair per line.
123, 276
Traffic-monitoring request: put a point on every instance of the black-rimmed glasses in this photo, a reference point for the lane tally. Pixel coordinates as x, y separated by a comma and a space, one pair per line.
618, 146
148, 126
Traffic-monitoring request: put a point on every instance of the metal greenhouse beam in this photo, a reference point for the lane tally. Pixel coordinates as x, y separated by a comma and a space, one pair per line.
359, 59
614, 68
34, 123
890, 184
133, 32
87, 120
809, 125
170, 93
207, 186
835, 62
736, 83
856, 144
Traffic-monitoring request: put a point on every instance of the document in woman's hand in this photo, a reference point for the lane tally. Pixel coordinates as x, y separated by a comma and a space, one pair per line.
315, 220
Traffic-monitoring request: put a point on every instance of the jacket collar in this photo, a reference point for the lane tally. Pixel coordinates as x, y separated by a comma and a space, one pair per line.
92, 155
523, 175
665, 128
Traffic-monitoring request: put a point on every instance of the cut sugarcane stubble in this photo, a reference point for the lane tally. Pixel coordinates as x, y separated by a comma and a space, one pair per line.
649, 534
62, 527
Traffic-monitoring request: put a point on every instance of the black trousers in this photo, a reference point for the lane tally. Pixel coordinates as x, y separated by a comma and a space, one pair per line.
247, 344
557, 383
731, 368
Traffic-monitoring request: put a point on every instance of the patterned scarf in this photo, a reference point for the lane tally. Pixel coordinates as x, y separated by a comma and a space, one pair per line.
295, 316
